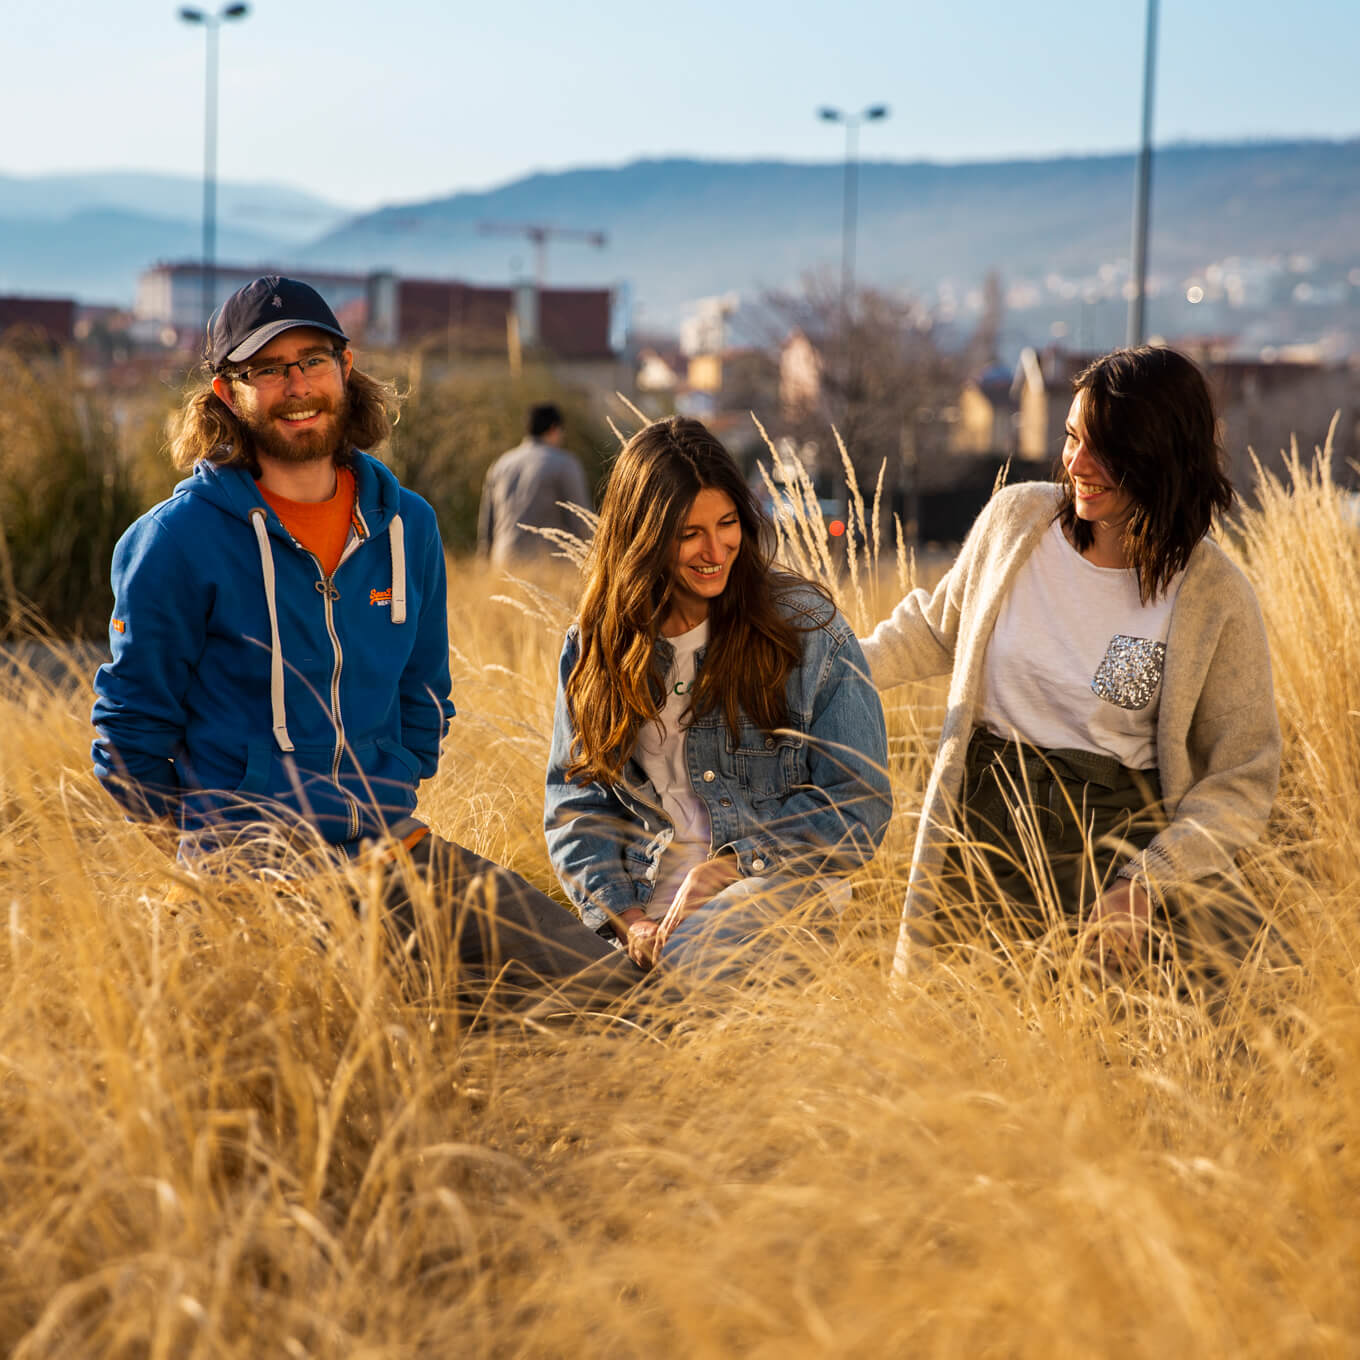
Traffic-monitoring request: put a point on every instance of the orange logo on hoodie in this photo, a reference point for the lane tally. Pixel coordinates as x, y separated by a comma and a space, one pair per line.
380, 596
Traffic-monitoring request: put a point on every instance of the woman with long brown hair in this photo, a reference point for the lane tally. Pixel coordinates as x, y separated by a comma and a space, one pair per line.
718, 753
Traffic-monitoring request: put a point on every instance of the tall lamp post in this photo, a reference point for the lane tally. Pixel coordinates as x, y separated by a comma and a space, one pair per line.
852, 122
1142, 184
211, 23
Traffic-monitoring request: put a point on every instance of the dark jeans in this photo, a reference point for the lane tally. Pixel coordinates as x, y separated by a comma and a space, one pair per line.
453, 909
1046, 832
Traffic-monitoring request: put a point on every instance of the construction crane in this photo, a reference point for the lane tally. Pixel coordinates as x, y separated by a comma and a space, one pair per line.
540, 233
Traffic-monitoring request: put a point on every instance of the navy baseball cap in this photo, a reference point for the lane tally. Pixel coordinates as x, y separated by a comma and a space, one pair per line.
252, 316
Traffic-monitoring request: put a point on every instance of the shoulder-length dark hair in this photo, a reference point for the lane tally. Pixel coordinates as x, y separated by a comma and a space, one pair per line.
206, 427
752, 647
1147, 416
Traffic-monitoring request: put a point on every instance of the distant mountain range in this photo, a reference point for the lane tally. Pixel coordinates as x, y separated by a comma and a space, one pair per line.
266, 209
682, 229
90, 236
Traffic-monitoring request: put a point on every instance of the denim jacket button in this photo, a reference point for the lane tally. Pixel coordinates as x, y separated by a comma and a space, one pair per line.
724, 802
709, 776
769, 743
757, 864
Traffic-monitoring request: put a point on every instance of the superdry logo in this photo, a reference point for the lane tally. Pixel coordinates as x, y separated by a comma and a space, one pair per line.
380, 596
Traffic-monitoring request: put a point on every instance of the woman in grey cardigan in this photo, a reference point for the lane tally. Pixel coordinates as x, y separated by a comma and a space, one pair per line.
1111, 733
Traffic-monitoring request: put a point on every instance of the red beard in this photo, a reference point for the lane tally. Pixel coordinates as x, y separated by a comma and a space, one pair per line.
324, 440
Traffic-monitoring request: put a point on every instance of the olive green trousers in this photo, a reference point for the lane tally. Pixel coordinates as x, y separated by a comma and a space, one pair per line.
1044, 834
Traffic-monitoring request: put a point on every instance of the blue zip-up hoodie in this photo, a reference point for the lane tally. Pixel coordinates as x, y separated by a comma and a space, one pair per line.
245, 680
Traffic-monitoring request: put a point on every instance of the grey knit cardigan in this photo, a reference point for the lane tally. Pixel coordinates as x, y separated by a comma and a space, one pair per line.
1218, 738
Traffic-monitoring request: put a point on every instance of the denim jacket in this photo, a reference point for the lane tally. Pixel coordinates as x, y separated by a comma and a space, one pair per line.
812, 799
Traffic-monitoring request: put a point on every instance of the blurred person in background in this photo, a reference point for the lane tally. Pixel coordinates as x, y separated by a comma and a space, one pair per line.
718, 752
528, 488
280, 672
1110, 738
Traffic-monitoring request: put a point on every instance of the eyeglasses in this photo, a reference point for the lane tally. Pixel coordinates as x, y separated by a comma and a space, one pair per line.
269, 376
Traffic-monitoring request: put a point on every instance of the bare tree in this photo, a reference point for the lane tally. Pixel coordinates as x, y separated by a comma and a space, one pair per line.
881, 381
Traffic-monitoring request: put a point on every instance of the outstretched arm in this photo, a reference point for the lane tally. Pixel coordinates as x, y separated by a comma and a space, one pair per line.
917, 639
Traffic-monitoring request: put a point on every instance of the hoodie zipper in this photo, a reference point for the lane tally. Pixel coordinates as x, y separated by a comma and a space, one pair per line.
329, 594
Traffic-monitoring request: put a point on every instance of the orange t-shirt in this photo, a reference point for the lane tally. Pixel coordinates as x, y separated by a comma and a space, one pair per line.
322, 527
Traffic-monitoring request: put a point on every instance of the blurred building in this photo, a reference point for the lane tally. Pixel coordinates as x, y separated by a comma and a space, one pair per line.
986, 418
660, 368
1042, 392
568, 324
800, 377
171, 294
50, 322
1261, 406
704, 376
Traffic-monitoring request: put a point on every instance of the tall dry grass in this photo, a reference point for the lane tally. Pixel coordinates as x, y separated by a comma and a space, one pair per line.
65, 496
220, 1138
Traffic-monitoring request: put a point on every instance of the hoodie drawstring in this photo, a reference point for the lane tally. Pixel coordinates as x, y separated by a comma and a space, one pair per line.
397, 537
257, 519
396, 532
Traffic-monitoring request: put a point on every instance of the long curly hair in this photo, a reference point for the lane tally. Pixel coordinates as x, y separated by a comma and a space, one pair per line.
616, 686
1149, 418
206, 428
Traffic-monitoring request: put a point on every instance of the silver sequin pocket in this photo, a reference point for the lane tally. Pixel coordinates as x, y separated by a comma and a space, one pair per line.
1131, 671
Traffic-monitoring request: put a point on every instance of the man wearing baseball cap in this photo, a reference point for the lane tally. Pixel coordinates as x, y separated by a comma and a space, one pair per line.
280, 673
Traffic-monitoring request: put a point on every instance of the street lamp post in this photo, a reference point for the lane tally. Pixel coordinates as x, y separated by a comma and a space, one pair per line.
211, 23
1142, 185
852, 123
874, 113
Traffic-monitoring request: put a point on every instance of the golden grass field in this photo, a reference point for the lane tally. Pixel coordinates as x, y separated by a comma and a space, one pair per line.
218, 1139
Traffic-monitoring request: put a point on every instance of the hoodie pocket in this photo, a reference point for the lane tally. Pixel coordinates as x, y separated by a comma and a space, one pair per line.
259, 755
398, 752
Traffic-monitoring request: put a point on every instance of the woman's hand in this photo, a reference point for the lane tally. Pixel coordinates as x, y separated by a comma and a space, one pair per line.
703, 882
638, 932
1118, 925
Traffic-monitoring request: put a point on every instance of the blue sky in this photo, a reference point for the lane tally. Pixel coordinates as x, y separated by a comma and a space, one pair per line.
368, 101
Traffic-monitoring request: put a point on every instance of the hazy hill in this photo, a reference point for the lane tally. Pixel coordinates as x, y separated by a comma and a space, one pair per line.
681, 229
96, 255
90, 235
274, 210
